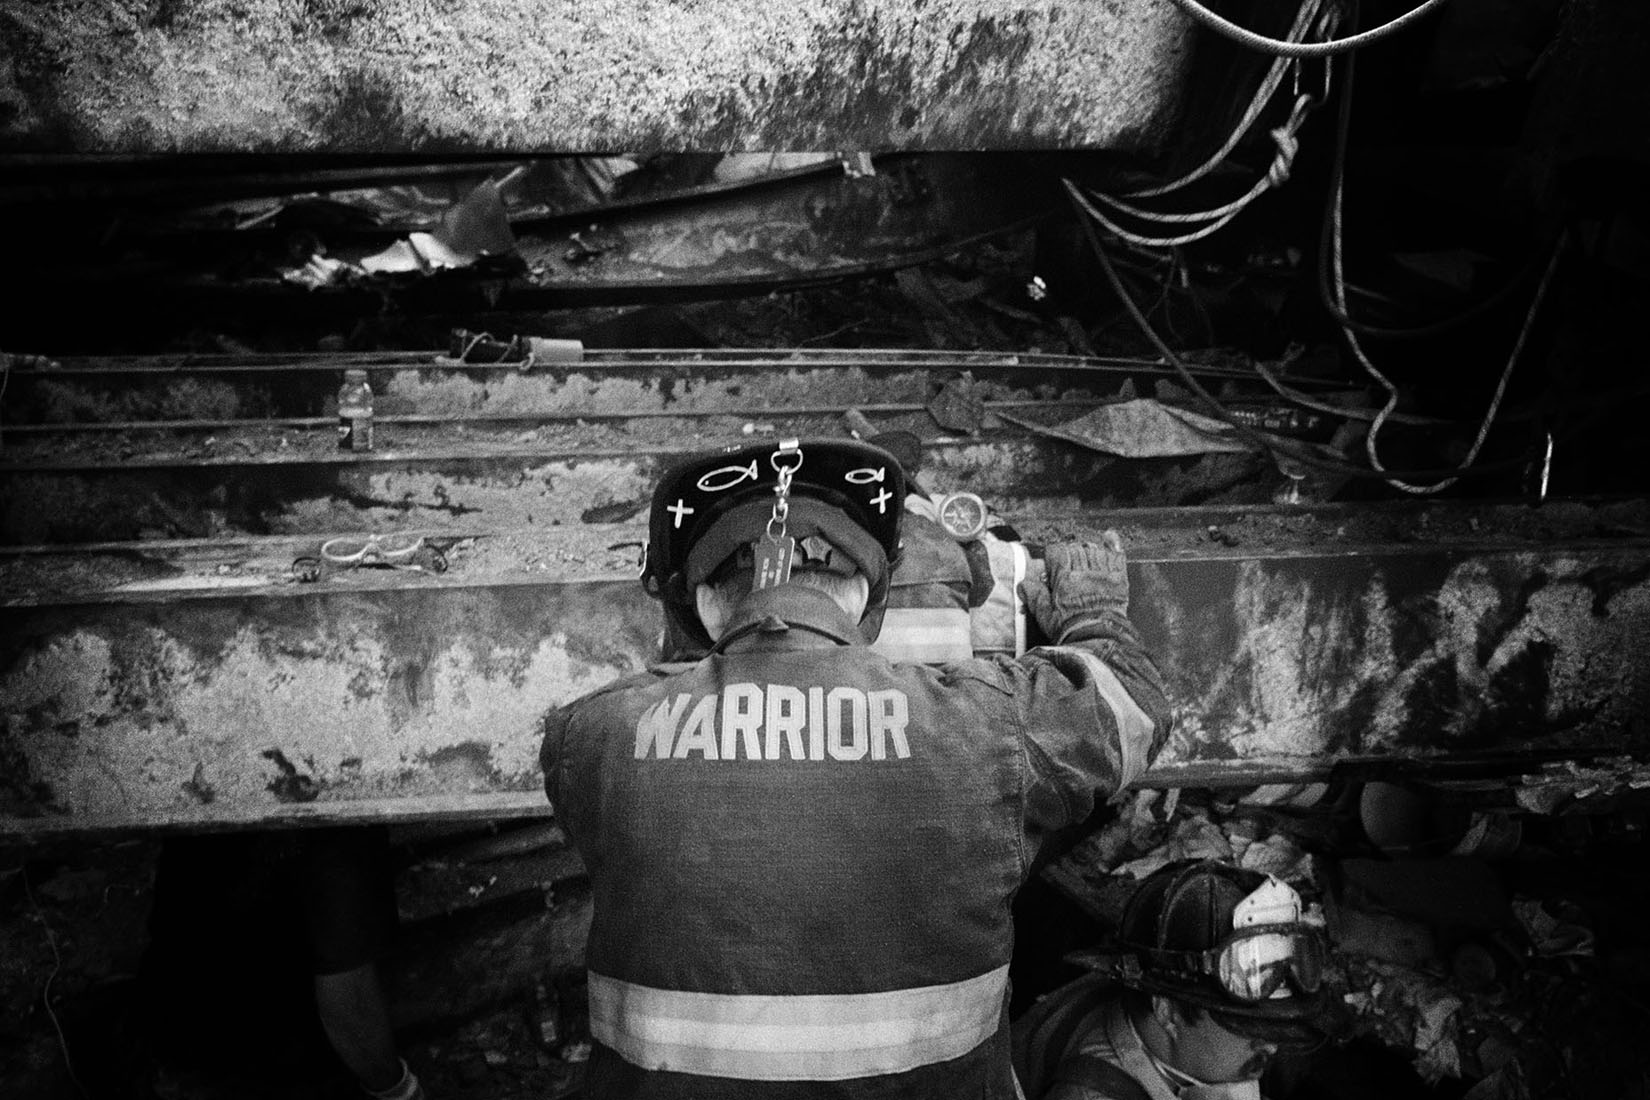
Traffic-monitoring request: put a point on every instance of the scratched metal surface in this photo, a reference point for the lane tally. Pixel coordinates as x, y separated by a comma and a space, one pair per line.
302, 705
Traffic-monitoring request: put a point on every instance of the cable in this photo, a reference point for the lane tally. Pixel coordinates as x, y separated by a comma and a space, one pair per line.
1478, 309
46, 994
1271, 447
1249, 435
1281, 48
1161, 242
1346, 412
1187, 217
1546, 469
1263, 95
1276, 175
1371, 440
1175, 268
1495, 400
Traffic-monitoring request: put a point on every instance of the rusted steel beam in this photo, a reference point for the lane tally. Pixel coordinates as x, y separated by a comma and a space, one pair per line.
162, 569
382, 698
515, 485
302, 706
608, 545
45, 441
1404, 654
710, 359
103, 390
612, 358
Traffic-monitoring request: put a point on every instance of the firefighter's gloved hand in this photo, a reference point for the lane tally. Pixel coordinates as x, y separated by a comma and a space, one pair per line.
1080, 584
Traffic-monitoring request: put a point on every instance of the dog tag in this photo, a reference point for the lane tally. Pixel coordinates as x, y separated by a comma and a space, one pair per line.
773, 561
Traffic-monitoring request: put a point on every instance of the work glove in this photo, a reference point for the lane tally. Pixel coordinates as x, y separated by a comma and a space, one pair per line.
1080, 584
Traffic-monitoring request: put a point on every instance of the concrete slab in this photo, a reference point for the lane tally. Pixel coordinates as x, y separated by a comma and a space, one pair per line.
635, 75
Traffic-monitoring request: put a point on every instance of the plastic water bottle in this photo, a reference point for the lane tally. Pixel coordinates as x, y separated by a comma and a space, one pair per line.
355, 412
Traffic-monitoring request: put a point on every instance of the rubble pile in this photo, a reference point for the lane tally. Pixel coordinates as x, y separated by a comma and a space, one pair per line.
1503, 958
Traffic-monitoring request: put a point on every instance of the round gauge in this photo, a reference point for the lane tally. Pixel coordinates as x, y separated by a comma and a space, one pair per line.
963, 515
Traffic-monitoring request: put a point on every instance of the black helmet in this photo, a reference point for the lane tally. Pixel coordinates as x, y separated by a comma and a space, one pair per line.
708, 508
1229, 940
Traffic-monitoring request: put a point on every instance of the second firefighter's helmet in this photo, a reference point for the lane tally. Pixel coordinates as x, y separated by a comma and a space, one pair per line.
1232, 941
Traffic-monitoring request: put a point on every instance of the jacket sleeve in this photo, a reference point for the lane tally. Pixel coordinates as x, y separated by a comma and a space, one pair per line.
552, 752
1093, 716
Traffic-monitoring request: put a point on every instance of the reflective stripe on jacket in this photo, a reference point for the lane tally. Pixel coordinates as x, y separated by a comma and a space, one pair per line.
802, 859
927, 616
950, 603
813, 1037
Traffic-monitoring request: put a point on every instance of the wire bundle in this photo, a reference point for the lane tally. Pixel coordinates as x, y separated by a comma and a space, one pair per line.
1307, 37
1311, 18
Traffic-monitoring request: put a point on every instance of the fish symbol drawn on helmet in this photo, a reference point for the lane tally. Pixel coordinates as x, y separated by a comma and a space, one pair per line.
724, 478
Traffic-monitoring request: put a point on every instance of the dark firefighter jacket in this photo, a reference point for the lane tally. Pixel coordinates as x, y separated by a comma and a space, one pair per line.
803, 858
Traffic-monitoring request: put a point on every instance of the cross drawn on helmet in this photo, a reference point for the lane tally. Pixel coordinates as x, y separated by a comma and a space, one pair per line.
748, 500
865, 476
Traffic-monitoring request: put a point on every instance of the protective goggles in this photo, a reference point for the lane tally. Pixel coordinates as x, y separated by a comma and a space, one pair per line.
1260, 963
394, 549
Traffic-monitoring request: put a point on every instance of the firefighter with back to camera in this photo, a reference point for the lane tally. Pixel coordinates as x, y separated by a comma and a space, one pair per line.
802, 855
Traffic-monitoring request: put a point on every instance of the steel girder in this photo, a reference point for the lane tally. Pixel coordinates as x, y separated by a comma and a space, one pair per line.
407, 698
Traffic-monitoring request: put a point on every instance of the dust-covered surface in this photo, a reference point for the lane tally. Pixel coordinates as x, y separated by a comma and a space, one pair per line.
47, 411
233, 707
265, 75
597, 533
405, 438
552, 554
470, 484
1550, 1004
